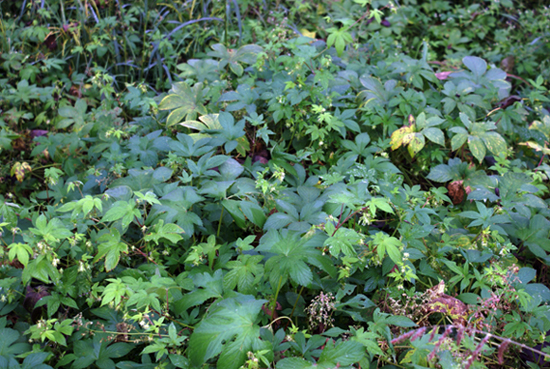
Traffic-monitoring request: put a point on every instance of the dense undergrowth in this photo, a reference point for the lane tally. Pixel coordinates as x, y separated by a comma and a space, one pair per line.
261, 184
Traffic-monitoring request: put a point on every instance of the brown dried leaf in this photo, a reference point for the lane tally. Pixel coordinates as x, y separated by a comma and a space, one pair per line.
507, 64
456, 191
439, 302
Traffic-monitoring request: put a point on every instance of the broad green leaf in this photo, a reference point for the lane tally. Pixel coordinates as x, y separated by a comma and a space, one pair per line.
294, 363
435, 135
494, 143
291, 252
232, 206
169, 231
394, 253
229, 329
184, 101
379, 203
244, 273
342, 242
20, 250
400, 321
125, 210
390, 245
477, 65
345, 353
338, 38
206, 287
111, 248
51, 231
477, 148
8, 347
458, 140
465, 120
253, 212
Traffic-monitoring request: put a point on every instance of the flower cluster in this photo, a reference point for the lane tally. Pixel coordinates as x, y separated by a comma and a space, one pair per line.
320, 311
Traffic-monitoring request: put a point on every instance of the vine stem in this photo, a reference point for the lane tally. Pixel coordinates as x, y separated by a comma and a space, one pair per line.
220, 224
275, 300
347, 218
296, 302
279, 318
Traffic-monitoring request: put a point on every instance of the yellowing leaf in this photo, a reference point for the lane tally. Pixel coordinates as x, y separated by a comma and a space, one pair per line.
535, 146
19, 169
398, 136
306, 33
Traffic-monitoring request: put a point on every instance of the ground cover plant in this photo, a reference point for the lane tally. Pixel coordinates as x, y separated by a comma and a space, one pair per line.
274, 184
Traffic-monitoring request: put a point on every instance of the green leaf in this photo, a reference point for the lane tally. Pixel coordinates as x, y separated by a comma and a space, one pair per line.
51, 231
184, 101
7, 213
20, 250
477, 65
253, 212
400, 321
394, 253
388, 244
379, 203
342, 242
294, 363
343, 354
494, 143
339, 38
435, 135
229, 329
111, 248
8, 347
125, 210
477, 148
458, 140
207, 287
98, 351
244, 273
289, 254
170, 231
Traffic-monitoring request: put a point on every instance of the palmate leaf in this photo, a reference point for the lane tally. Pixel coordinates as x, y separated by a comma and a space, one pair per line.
8, 347
390, 245
175, 208
111, 248
334, 355
244, 273
229, 329
339, 38
201, 70
415, 133
125, 210
342, 242
168, 231
223, 127
207, 287
184, 101
98, 351
52, 230
291, 254
246, 54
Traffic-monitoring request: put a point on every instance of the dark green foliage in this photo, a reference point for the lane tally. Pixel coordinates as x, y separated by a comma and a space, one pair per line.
274, 184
